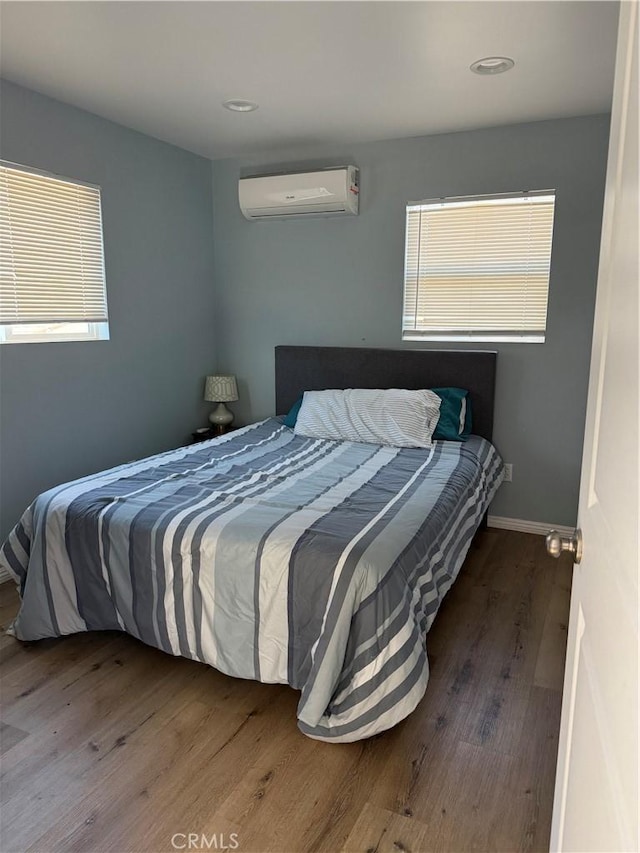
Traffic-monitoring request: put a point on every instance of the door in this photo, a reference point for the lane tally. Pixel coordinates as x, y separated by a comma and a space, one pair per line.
596, 796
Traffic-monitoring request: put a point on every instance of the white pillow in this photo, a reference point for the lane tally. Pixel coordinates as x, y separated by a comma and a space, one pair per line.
394, 417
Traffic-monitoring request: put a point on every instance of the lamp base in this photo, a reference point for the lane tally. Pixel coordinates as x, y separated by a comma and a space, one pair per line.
221, 417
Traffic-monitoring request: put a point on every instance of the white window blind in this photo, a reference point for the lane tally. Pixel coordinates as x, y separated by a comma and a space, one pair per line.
478, 267
51, 253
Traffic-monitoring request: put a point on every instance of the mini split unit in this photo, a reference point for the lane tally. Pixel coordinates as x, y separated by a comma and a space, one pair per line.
326, 192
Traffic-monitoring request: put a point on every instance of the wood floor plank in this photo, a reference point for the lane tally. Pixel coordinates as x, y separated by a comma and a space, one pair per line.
9, 601
113, 746
289, 789
549, 671
331, 826
415, 747
67, 775
153, 816
383, 831
496, 631
10, 736
497, 714
534, 768
80, 710
466, 800
34, 666
191, 733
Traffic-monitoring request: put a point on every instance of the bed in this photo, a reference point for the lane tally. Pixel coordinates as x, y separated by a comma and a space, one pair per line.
273, 556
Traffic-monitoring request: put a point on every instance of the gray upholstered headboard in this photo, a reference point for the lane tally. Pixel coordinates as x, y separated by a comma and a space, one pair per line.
301, 369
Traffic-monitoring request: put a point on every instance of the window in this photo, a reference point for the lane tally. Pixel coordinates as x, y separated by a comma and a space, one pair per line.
478, 268
52, 282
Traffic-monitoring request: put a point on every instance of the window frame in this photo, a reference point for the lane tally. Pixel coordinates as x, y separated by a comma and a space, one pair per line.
10, 335
95, 330
469, 335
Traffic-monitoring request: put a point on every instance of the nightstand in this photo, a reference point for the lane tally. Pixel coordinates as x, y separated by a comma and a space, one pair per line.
206, 433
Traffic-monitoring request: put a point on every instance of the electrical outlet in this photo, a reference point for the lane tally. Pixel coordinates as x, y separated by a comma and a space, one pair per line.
508, 472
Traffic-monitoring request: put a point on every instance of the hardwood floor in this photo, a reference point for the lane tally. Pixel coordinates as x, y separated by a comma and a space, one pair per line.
108, 745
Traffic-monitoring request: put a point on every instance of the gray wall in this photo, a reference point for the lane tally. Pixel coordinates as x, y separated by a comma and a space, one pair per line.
69, 409
339, 282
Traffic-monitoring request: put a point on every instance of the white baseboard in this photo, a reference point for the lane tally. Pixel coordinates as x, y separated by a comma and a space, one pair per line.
523, 526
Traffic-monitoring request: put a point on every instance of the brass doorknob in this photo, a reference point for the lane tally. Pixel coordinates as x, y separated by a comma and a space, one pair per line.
556, 544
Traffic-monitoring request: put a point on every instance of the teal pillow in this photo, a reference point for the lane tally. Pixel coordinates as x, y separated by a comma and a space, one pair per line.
292, 416
451, 403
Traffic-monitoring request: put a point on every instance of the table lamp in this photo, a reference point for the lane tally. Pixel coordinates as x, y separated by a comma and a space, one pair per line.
221, 390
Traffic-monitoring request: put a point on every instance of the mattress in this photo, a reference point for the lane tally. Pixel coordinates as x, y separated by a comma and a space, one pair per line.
270, 556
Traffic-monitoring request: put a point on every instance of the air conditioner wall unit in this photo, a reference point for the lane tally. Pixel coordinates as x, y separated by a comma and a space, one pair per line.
328, 191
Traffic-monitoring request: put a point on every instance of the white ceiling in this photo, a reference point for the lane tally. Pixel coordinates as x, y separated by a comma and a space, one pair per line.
320, 71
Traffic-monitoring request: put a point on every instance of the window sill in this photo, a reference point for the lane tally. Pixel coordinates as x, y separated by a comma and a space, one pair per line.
43, 333
473, 339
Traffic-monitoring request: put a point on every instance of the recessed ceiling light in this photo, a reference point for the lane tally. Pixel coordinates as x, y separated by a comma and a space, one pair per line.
492, 65
237, 105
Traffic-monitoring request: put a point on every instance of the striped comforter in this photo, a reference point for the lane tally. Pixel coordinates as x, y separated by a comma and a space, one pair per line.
269, 556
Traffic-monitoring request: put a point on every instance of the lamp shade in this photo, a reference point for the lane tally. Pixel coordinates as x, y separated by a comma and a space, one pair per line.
221, 389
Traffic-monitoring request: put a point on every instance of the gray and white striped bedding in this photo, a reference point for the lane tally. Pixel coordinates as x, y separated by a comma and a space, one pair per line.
267, 555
